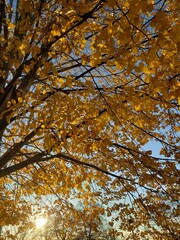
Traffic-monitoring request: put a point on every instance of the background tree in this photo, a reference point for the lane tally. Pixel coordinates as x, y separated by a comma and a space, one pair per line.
64, 222
85, 85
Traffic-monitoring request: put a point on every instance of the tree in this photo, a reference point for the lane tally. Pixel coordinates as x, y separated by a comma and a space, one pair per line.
64, 222
85, 86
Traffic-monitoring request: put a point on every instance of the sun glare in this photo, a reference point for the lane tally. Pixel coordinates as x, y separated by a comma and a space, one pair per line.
40, 222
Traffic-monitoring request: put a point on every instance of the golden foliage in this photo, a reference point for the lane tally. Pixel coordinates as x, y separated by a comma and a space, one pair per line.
89, 93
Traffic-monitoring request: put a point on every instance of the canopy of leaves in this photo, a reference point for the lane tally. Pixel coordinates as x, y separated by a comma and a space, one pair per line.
84, 87
64, 222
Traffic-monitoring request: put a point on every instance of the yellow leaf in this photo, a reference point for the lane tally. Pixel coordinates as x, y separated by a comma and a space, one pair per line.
138, 107
85, 59
20, 99
8, 103
56, 32
13, 101
27, 68
22, 48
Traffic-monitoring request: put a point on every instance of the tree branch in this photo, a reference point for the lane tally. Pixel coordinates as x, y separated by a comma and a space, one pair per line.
13, 150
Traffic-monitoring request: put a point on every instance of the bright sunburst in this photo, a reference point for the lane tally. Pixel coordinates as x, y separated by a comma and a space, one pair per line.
40, 222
